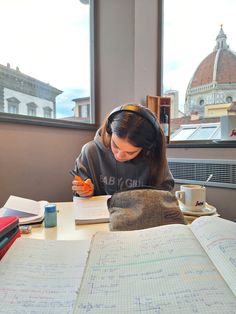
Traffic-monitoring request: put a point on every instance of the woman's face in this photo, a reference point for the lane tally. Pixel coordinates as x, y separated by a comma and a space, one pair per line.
122, 149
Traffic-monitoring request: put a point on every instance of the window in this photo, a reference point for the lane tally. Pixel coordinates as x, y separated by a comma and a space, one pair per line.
47, 112
12, 108
52, 63
31, 109
229, 99
84, 112
206, 131
201, 103
183, 133
13, 105
199, 65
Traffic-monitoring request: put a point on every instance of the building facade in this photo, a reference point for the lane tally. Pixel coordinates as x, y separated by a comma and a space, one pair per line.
22, 94
174, 95
82, 109
213, 84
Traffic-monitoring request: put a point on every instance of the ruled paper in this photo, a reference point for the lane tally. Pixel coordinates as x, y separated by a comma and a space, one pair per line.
158, 270
218, 238
41, 276
89, 210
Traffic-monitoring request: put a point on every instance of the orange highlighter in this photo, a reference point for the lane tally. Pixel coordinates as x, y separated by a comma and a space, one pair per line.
80, 180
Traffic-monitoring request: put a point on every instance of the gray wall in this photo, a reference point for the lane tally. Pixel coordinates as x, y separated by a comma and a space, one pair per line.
35, 161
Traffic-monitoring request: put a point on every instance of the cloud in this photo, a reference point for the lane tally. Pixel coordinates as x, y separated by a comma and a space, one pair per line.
65, 103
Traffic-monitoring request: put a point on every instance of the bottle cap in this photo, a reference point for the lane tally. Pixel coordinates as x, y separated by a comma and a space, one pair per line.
50, 208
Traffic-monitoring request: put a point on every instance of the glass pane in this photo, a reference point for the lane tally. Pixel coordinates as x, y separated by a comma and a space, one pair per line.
199, 61
217, 134
183, 134
202, 133
45, 57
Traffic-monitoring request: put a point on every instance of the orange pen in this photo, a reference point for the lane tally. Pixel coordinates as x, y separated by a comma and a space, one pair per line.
80, 180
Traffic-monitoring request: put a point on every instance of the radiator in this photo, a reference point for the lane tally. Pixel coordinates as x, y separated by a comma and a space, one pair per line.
196, 171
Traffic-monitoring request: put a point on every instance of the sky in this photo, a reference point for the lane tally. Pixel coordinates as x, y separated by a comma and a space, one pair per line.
190, 31
49, 40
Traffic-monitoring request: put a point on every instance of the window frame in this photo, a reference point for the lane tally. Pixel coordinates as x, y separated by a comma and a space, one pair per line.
38, 121
41, 121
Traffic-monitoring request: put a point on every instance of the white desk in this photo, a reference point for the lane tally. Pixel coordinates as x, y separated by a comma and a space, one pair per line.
66, 228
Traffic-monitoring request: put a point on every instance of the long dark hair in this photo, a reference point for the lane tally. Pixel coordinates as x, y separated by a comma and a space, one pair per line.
139, 132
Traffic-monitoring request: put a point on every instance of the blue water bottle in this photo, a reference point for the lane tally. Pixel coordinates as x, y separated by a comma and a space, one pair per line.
50, 216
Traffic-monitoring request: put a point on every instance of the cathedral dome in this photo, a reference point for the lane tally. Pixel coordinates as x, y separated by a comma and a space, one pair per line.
214, 81
217, 67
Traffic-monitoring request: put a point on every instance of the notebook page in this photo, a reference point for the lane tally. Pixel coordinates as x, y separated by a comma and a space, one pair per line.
23, 205
218, 238
28, 211
157, 270
91, 208
40, 276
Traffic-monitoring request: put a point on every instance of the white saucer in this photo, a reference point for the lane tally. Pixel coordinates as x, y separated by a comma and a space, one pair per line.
208, 210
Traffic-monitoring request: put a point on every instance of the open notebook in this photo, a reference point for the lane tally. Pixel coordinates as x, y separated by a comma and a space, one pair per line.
88, 210
28, 211
168, 269
41, 276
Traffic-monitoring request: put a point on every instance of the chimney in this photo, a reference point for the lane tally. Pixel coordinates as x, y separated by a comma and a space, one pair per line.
194, 116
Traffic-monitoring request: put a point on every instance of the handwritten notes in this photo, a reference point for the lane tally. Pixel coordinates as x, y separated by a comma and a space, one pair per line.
90, 210
158, 270
169, 269
38, 276
218, 237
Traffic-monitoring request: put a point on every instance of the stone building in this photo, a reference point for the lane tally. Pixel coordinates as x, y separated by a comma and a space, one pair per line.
22, 94
82, 109
212, 89
174, 95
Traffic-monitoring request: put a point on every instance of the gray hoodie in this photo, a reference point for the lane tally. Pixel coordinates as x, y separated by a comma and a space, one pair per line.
109, 175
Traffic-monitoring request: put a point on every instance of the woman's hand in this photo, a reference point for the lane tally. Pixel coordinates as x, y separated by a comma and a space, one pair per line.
82, 190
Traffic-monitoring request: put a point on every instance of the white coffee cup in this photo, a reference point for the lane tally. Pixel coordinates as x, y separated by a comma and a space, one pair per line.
192, 197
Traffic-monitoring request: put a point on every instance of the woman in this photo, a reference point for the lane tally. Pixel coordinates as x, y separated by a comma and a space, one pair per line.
128, 151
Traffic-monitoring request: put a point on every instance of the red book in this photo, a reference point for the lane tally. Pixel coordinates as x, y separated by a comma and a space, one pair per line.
9, 232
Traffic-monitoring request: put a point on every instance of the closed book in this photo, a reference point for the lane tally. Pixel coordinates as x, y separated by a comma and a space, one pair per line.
9, 232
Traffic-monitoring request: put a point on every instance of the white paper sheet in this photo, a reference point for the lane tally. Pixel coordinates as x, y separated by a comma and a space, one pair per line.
41, 276
91, 209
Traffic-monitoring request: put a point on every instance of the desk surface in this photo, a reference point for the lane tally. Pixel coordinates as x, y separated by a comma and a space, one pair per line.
66, 228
